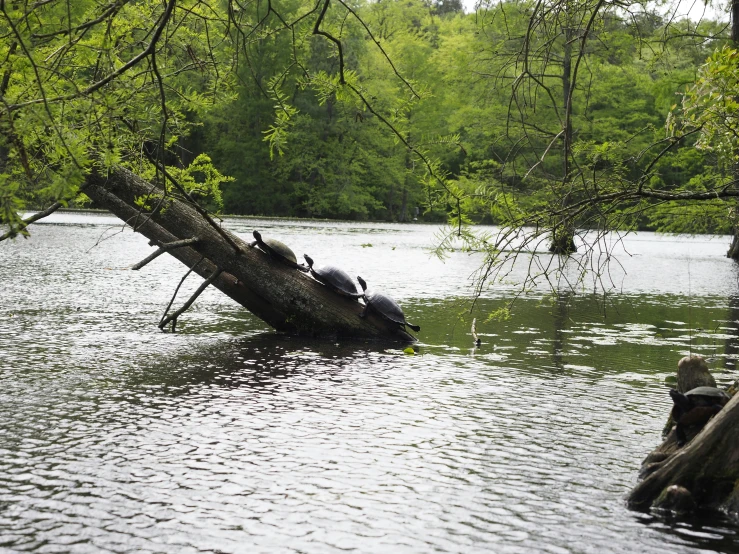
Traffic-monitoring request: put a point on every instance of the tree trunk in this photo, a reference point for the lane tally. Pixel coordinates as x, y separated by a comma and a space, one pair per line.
705, 471
563, 241
283, 297
733, 252
702, 474
563, 234
403, 206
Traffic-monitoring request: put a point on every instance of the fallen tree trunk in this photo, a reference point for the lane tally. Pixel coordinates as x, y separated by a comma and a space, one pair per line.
285, 298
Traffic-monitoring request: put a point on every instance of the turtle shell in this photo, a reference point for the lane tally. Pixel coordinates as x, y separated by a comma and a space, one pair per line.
281, 250
276, 249
333, 277
707, 396
695, 408
385, 306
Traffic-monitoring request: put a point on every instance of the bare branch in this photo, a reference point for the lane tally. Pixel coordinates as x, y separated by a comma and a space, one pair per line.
164, 248
204, 285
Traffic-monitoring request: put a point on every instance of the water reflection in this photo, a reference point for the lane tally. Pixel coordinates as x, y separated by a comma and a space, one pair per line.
731, 329
560, 319
717, 533
116, 437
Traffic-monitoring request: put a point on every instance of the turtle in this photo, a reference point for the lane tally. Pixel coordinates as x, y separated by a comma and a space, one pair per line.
695, 407
277, 250
385, 306
334, 278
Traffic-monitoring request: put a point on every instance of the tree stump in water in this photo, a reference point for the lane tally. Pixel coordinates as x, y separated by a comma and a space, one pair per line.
692, 372
703, 474
733, 252
285, 298
563, 242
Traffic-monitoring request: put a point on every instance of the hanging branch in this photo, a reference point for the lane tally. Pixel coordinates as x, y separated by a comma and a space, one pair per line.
112, 10
162, 23
26, 222
379, 46
204, 285
162, 249
337, 42
166, 310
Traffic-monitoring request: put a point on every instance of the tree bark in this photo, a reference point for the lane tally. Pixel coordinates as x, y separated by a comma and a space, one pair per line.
563, 235
707, 468
286, 299
733, 252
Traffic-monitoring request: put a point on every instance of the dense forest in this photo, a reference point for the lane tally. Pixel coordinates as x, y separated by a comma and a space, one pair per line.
340, 161
554, 116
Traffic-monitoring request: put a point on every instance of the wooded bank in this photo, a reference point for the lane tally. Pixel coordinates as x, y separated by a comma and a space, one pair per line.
285, 298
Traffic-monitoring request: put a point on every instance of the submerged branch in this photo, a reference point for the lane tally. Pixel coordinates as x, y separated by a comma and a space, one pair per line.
177, 289
204, 285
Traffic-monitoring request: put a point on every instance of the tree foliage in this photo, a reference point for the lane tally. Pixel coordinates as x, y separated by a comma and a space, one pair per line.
543, 118
94, 84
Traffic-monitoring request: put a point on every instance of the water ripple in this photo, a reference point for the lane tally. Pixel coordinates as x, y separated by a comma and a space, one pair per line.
115, 437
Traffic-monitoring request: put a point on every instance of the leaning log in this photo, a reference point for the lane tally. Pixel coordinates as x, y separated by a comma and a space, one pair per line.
286, 299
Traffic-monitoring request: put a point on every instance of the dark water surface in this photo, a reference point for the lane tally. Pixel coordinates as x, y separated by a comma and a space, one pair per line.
115, 437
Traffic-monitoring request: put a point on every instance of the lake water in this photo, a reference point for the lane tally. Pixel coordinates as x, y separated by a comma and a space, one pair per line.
225, 437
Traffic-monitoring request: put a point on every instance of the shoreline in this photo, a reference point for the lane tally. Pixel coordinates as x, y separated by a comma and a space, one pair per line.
238, 216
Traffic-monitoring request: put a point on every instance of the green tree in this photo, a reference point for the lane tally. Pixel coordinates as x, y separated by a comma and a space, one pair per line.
619, 176
93, 85
543, 119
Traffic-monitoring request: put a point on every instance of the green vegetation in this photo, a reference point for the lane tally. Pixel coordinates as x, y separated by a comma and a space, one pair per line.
584, 115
